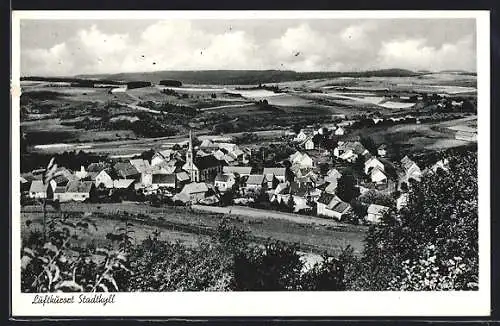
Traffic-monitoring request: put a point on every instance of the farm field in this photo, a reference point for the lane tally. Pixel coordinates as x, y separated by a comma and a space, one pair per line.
311, 237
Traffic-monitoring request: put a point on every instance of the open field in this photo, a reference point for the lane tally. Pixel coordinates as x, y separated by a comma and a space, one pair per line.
314, 99
184, 224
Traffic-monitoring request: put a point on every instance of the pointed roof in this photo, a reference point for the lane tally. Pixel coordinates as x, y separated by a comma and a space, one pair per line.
38, 186
255, 179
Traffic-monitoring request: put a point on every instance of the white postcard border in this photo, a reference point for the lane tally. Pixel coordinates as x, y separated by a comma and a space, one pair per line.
271, 303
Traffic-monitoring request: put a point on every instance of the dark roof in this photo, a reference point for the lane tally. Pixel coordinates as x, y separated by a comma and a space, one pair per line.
341, 207
298, 189
125, 169
222, 177
237, 169
206, 162
163, 178
60, 190
325, 198
79, 186
96, 167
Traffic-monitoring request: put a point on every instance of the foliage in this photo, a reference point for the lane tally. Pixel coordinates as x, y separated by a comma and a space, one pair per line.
420, 247
55, 266
347, 189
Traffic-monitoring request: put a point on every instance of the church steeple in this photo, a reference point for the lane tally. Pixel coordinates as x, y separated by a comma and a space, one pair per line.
190, 153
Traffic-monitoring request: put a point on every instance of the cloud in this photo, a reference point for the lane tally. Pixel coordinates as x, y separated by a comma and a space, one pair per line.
417, 54
300, 46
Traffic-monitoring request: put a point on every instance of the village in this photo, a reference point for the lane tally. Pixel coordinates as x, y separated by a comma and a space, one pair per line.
343, 181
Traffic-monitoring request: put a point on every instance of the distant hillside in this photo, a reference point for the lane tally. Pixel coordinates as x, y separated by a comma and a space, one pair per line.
459, 72
243, 77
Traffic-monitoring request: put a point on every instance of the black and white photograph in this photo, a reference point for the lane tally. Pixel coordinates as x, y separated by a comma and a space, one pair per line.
248, 157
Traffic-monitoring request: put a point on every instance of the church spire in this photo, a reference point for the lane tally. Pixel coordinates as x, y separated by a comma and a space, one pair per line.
189, 155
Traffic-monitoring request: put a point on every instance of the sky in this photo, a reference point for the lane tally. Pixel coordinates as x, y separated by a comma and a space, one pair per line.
71, 47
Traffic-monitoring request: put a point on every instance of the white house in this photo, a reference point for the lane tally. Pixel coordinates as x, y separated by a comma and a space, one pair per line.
371, 163
255, 182
224, 182
308, 144
339, 131
164, 181
81, 174
279, 173
377, 175
301, 160
38, 190
195, 190
412, 170
145, 170
329, 205
78, 191
104, 178
333, 175
375, 213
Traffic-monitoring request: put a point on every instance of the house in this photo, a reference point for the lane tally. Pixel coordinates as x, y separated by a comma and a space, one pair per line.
196, 191
224, 182
278, 172
339, 131
271, 181
96, 167
63, 176
78, 190
328, 187
330, 205
81, 174
411, 169
402, 201
255, 182
182, 178
377, 175
349, 151
240, 170
301, 195
301, 160
160, 157
207, 144
372, 163
59, 194
375, 213
124, 184
382, 150
279, 194
333, 175
164, 181
145, 170
38, 190
126, 170
103, 178
307, 144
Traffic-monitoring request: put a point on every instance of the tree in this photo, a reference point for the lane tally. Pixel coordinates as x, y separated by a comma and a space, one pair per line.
290, 204
438, 228
346, 187
369, 144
